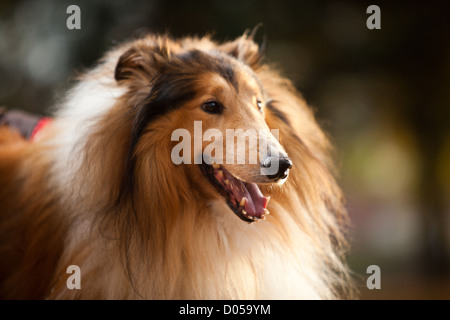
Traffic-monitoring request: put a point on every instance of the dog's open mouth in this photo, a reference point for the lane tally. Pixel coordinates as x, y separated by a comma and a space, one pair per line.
244, 198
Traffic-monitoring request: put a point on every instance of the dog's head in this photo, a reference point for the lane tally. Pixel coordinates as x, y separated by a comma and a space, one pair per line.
209, 101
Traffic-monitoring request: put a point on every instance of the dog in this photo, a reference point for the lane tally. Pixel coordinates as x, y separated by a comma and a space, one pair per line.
98, 187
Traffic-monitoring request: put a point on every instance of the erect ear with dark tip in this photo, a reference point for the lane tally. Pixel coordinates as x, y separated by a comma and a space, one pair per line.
129, 63
245, 50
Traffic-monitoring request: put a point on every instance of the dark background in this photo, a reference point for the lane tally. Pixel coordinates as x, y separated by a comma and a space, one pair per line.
382, 95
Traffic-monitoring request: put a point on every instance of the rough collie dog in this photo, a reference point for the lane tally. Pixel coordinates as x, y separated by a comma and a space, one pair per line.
99, 188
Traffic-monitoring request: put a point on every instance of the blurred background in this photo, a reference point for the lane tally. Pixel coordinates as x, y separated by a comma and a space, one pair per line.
382, 95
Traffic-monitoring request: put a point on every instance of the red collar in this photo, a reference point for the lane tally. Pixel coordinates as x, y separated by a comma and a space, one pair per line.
38, 127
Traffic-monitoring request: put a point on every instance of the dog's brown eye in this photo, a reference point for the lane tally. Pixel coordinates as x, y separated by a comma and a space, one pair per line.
212, 107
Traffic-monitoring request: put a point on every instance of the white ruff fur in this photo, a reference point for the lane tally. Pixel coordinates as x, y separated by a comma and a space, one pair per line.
88, 101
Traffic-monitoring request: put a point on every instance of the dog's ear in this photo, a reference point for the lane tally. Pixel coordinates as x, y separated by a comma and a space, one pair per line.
246, 49
142, 60
128, 65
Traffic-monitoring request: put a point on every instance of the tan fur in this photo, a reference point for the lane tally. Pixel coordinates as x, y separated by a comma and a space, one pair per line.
171, 238
30, 230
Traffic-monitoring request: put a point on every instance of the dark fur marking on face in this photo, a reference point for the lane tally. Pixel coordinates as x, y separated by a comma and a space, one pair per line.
277, 112
216, 64
168, 93
230, 76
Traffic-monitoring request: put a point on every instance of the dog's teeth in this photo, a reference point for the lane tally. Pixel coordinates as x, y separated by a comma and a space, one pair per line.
266, 211
215, 165
227, 182
244, 213
220, 173
263, 217
243, 201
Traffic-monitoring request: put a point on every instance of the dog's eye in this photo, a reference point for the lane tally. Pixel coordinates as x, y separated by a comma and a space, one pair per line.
212, 107
259, 104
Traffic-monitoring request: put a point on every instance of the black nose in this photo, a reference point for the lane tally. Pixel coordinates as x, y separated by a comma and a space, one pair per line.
284, 164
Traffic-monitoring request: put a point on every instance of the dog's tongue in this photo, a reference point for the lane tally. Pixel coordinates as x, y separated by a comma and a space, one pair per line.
256, 203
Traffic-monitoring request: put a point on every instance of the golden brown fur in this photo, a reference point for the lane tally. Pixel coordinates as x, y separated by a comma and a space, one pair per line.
107, 197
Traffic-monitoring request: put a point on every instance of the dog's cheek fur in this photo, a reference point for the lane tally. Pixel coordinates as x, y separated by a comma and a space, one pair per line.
160, 189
